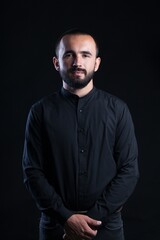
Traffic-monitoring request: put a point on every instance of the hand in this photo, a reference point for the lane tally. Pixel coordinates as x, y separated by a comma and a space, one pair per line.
79, 227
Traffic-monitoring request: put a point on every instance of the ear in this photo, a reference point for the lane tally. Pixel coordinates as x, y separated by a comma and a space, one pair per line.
97, 64
56, 63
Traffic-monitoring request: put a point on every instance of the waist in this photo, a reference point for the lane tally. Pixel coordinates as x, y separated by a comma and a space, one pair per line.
80, 212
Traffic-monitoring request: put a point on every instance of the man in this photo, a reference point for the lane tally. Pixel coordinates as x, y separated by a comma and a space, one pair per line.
80, 153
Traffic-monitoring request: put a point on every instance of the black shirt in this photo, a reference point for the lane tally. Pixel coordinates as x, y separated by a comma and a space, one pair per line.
80, 154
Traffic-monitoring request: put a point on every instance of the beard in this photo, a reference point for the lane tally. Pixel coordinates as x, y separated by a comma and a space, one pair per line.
76, 82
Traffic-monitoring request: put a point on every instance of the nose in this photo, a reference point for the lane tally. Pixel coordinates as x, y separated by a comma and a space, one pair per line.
77, 61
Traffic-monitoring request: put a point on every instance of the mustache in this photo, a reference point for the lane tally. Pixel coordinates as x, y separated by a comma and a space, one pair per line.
75, 68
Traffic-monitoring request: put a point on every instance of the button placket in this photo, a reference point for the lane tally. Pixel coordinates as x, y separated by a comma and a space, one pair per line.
82, 139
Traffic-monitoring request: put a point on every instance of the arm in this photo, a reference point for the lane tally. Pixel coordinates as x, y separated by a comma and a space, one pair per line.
35, 180
126, 157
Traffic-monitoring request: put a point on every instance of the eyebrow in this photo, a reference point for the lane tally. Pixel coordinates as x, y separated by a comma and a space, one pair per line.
82, 52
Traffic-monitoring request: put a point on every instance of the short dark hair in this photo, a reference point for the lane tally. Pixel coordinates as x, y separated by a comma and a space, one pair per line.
76, 31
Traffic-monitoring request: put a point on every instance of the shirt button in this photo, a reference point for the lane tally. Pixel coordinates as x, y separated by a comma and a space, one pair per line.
81, 130
82, 150
83, 173
80, 110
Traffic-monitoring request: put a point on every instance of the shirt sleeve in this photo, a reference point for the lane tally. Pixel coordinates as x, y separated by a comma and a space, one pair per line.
45, 196
125, 154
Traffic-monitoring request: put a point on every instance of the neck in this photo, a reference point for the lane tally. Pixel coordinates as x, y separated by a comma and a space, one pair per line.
79, 92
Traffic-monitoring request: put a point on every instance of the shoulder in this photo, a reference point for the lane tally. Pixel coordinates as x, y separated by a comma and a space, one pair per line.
45, 102
110, 99
42, 106
114, 105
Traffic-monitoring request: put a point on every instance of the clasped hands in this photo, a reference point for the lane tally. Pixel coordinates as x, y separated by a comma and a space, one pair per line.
81, 227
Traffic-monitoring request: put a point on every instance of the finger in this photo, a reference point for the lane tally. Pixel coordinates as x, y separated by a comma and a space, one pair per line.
93, 222
88, 233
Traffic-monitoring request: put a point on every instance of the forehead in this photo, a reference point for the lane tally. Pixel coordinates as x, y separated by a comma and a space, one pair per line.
78, 42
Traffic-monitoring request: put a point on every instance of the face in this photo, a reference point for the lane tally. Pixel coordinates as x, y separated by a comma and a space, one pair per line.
76, 60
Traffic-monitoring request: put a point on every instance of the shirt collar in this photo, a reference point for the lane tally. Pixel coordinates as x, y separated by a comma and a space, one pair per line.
72, 96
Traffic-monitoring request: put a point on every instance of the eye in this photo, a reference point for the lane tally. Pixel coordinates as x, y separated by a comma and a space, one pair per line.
67, 55
86, 55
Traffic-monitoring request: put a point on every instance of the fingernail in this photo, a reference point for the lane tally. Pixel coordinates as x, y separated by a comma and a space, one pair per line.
99, 222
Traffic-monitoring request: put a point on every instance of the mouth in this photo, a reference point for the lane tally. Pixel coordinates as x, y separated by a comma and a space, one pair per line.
78, 72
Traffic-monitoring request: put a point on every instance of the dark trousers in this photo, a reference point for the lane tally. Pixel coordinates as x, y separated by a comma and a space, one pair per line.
103, 234
113, 230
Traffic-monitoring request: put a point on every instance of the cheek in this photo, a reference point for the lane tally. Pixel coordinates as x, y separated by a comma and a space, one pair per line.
61, 64
63, 67
93, 67
64, 64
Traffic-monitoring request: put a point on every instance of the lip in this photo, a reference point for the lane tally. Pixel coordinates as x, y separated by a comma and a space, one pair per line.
78, 73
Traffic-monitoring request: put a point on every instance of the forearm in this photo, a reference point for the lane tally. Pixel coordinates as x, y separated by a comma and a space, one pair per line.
117, 193
45, 196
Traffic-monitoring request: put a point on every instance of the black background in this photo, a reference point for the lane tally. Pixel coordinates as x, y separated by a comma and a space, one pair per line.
129, 36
